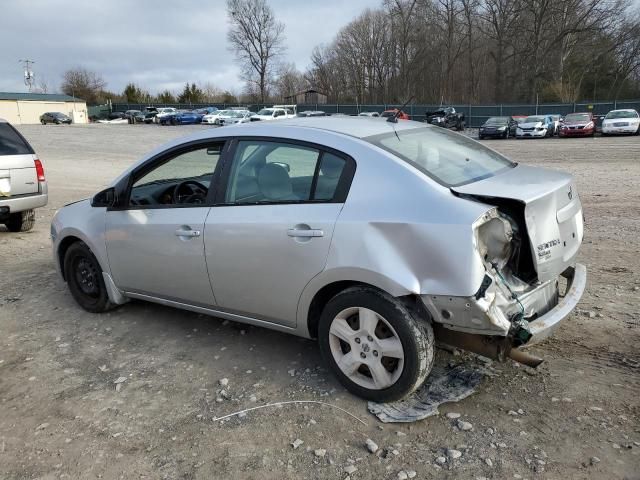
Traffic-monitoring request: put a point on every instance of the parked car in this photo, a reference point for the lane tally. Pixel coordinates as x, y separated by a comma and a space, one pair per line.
186, 117
140, 117
130, 115
446, 118
115, 118
557, 120
393, 111
312, 113
273, 113
163, 112
213, 118
236, 116
621, 122
55, 117
577, 125
23, 186
368, 114
498, 127
293, 238
536, 126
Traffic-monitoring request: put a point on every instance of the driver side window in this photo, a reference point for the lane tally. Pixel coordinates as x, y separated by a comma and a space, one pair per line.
183, 179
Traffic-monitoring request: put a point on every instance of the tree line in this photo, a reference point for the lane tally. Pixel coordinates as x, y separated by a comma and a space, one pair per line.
426, 51
481, 51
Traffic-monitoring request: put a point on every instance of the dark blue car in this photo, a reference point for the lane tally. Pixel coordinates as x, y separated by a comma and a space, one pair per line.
182, 117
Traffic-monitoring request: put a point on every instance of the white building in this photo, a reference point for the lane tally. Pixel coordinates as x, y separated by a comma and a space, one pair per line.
22, 108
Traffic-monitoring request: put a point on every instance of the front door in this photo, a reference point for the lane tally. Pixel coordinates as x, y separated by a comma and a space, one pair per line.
271, 232
155, 241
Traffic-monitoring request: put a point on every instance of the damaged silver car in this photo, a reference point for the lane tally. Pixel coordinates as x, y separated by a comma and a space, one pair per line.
378, 238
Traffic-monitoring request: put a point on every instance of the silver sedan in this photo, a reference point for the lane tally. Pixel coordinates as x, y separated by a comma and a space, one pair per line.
376, 237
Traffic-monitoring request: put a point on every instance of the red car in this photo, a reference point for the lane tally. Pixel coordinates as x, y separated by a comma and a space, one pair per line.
578, 125
393, 111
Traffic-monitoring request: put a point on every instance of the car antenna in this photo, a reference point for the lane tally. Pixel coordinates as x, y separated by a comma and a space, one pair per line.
394, 118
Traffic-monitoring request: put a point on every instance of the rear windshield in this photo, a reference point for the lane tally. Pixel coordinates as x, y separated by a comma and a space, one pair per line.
449, 158
11, 142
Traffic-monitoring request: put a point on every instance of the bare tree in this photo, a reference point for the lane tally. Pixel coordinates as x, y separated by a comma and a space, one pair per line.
84, 84
290, 81
257, 39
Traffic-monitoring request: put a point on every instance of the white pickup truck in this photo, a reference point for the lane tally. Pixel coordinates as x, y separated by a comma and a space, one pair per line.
22, 183
277, 112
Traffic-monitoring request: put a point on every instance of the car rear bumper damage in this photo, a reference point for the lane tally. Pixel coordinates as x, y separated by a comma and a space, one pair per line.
470, 324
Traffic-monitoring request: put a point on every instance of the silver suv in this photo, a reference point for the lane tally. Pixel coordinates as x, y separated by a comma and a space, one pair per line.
22, 183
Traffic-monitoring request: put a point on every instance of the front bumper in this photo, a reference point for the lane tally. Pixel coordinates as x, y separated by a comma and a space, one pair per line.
543, 327
531, 134
619, 130
576, 132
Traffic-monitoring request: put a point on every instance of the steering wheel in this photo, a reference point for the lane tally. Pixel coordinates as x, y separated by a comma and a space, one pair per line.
190, 191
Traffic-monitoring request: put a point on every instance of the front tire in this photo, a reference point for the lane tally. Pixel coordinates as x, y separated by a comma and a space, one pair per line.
84, 277
21, 221
375, 345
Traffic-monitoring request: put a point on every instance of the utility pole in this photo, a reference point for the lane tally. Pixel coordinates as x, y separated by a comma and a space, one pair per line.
29, 76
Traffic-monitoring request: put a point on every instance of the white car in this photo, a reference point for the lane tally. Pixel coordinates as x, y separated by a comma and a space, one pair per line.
621, 121
164, 112
235, 117
213, 118
274, 113
368, 114
536, 126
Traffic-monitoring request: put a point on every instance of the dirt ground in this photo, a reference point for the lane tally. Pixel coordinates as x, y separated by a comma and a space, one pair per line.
61, 415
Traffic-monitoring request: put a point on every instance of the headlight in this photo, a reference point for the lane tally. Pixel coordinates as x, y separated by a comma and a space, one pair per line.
502, 128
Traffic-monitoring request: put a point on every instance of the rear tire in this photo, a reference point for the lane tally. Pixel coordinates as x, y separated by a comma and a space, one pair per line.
84, 278
358, 326
21, 221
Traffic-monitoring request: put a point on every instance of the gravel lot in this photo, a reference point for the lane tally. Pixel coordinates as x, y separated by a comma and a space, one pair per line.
62, 417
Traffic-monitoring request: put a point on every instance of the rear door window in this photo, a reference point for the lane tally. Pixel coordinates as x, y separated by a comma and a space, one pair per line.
11, 142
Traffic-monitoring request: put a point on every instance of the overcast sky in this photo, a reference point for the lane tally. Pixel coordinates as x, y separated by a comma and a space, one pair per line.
157, 44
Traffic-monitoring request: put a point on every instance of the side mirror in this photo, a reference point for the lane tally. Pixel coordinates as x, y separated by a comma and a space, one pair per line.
105, 198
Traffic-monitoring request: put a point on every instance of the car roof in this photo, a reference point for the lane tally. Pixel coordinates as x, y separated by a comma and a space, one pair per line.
359, 127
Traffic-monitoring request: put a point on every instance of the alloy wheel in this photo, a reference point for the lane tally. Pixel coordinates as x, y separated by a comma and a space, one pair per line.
366, 348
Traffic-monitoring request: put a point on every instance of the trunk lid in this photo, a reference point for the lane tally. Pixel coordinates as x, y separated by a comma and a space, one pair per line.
552, 211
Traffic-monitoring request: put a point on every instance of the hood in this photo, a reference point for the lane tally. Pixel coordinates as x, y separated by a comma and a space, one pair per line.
552, 212
530, 125
576, 123
620, 120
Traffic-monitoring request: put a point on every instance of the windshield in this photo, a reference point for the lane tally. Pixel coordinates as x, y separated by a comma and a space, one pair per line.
449, 158
498, 121
534, 120
237, 114
59, 115
577, 117
266, 111
622, 114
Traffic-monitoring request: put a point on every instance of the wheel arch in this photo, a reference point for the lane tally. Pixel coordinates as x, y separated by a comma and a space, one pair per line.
324, 287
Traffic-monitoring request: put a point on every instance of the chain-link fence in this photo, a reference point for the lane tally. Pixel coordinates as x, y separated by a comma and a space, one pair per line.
475, 115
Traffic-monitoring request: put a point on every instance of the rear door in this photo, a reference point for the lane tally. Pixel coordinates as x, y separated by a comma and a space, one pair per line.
271, 229
17, 168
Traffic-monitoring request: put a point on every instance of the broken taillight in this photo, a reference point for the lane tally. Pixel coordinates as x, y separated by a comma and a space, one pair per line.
39, 170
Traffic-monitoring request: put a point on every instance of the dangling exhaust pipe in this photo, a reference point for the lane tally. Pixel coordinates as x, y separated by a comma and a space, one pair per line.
493, 347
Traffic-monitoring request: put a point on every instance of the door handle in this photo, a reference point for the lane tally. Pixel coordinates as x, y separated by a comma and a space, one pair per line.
295, 232
181, 232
